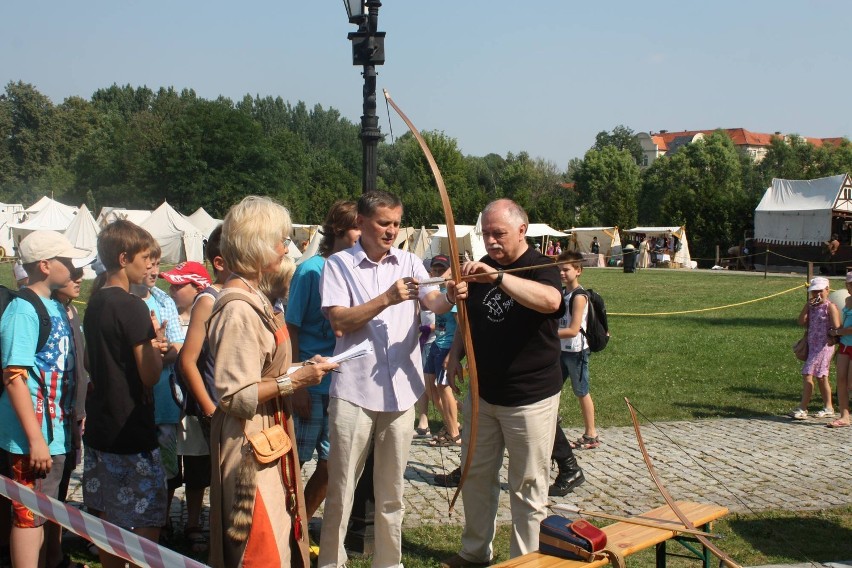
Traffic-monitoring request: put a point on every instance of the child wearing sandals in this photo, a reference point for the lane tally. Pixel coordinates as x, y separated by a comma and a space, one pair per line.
575, 348
844, 359
822, 320
435, 375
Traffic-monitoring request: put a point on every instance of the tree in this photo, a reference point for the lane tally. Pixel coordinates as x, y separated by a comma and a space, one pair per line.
621, 138
608, 184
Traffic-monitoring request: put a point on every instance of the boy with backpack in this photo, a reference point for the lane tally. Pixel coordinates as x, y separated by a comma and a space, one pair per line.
36, 406
123, 477
574, 331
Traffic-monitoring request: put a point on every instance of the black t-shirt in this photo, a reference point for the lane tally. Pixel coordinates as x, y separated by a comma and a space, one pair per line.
119, 414
516, 348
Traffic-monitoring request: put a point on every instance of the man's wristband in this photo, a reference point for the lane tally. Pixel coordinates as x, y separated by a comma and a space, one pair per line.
447, 297
499, 279
285, 385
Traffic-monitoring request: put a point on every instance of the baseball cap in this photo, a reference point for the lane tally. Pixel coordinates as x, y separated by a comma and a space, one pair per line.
189, 272
440, 259
818, 283
44, 245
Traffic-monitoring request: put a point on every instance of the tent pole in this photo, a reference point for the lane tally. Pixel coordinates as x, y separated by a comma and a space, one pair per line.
766, 262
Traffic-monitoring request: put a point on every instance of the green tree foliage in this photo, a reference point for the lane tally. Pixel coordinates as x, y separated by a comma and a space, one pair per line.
608, 186
621, 138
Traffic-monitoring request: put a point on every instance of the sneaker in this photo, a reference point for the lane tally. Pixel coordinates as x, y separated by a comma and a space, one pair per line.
451, 479
826, 413
798, 414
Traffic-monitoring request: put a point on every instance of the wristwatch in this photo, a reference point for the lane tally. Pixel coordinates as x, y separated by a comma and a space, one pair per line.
285, 385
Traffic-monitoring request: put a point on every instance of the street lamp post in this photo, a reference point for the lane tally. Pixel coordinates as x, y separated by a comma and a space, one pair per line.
368, 50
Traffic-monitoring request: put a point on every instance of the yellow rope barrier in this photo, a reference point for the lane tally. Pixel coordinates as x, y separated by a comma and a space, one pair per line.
699, 310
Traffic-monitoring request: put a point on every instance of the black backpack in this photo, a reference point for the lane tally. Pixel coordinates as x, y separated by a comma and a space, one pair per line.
597, 332
44, 327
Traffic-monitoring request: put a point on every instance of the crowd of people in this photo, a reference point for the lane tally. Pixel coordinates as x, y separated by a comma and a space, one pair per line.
226, 382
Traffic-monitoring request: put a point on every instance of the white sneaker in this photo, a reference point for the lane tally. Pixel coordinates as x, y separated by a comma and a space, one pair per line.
826, 413
798, 414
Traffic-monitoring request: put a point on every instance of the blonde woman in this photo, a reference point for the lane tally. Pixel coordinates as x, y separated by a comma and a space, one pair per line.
257, 509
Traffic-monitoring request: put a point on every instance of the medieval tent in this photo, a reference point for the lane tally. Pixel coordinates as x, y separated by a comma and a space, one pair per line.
608, 239
110, 214
54, 216
83, 230
44, 202
179, 239
800, 212
204, 221
681, 258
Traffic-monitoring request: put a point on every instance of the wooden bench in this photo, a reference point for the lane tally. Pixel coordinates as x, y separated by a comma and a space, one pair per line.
630, 539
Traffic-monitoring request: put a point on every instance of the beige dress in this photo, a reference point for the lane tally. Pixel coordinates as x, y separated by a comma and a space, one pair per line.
245, 350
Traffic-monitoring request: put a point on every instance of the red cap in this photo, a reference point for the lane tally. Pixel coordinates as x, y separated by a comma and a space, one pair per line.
189, 272
441, 259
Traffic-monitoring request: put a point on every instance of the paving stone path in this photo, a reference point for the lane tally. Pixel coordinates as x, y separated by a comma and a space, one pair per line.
748, 464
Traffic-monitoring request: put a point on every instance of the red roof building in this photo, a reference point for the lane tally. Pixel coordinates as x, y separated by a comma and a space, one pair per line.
656, 144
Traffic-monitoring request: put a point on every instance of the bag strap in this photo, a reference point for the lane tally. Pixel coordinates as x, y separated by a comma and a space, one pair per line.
615, 557
228, 298
586, 555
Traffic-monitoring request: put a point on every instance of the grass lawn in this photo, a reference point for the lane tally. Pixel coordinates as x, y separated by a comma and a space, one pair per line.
687, 366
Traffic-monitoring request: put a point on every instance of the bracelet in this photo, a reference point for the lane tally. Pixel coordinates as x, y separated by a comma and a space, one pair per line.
285, 385
499, 278
447, 297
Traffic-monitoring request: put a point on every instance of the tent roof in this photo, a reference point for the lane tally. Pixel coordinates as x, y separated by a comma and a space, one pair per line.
83, 230
54, 216
204, 221
654, 230
543, 230
805, 195
44, 202
179, 239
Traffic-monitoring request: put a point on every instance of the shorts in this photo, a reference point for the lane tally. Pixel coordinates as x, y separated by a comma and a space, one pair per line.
129, 490
196, 472
167, 440
17, 468
575, 364
435, 364
312, 434
845, 350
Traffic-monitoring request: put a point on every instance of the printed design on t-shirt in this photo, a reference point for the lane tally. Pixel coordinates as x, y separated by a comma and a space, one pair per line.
497, 305
55, 363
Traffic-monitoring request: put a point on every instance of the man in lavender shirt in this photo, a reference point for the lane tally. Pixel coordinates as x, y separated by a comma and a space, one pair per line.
371, 291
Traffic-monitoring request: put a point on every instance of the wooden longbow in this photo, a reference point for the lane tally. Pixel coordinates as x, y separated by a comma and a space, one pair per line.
464, 326
727, 560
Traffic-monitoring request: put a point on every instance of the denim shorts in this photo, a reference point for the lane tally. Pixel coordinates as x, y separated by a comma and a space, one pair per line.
575, 364
312, 433
435, 364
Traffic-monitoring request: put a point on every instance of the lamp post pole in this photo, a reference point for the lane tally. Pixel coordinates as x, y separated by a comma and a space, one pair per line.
368, 50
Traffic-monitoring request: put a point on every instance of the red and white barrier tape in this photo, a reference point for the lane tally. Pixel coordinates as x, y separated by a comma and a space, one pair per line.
105, 535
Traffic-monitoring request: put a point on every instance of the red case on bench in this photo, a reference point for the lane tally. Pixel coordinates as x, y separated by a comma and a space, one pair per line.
574, 540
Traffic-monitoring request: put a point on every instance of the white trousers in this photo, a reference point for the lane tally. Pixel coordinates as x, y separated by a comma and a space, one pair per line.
527, 433
350, 430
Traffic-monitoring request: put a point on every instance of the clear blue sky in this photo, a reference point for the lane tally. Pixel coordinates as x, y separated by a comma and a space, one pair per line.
541, 76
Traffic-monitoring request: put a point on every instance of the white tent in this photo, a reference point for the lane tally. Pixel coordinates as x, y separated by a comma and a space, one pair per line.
681, 257
44, 202
54, 216
799, 212
110, 214
179, 239
608, 239
83, 230
419, 242
204, 221
468, 239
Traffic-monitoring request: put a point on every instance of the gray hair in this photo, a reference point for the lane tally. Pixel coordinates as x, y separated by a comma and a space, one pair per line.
514, 211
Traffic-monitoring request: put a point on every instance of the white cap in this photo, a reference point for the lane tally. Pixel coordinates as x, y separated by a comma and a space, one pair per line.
818, 283
44, 245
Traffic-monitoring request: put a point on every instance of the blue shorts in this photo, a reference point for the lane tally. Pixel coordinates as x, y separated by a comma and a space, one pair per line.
435, 364
312, 434
575, 364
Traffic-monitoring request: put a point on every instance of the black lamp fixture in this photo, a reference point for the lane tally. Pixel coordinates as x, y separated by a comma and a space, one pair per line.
368, 50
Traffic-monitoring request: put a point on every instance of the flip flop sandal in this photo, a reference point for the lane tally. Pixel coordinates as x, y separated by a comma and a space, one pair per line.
839, 423
586, 443
447, 441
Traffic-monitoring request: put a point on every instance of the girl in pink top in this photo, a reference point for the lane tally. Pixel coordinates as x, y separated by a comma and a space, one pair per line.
821, 317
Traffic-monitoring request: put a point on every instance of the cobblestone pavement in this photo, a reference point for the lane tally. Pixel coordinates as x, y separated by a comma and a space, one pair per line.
748, 464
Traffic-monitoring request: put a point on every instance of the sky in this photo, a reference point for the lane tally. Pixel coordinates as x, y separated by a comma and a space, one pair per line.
541, 76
